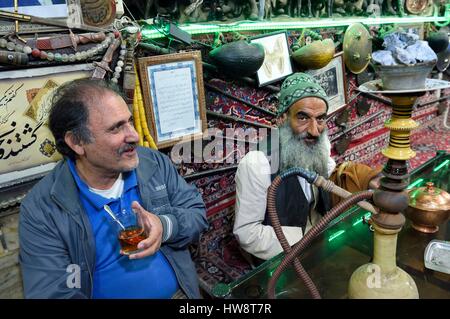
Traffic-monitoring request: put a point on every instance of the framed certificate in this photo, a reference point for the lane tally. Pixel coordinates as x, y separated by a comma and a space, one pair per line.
174, 96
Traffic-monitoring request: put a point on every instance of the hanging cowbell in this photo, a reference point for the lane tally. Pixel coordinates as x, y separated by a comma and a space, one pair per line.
443, 59
438, 41
238, 59
315, 55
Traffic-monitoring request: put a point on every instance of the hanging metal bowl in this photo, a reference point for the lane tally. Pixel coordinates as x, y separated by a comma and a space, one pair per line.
238, 59
315, 55
404, 77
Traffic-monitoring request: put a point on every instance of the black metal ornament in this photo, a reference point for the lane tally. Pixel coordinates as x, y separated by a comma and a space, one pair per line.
342, 144
365, 76
342, 118
362, 107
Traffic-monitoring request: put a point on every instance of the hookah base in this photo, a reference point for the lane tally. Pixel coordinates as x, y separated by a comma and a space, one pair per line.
370, 282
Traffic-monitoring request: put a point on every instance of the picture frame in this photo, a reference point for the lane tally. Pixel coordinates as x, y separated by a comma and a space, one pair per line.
277, 61
73, 16
27, 147
38, 8
333, 80
174, 96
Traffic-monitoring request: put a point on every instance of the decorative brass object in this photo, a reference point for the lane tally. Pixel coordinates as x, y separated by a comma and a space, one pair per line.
428, 207
315, 55
98, 13
416, 6
357, 48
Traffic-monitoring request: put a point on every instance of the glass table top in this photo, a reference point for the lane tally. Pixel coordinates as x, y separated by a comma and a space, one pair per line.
346, 244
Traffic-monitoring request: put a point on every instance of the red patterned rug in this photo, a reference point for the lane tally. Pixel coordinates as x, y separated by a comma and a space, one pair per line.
425, 141
217, 256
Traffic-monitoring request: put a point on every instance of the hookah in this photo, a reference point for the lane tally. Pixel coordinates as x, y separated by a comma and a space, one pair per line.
388, 202
391, 199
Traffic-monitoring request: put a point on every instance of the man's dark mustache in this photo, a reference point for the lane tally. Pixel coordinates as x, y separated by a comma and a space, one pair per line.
127, 147
306, 135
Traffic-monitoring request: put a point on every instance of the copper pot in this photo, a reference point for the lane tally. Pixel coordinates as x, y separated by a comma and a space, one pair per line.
428, 207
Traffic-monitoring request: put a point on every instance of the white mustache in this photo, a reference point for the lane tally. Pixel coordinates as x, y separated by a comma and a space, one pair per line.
126, 148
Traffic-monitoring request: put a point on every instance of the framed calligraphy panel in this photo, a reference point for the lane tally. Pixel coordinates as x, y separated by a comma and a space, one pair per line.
174, 96
27, 147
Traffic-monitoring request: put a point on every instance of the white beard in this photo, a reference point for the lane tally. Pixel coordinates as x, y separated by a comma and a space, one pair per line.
294, 152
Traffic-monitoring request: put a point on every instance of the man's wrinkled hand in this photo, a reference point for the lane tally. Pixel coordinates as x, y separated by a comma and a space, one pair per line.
375, 182
153, 229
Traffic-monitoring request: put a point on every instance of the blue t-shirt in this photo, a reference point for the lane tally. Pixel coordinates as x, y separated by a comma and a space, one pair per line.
115, 275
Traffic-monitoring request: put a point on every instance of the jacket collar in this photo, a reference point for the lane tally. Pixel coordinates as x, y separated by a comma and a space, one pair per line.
64, 189
146, 169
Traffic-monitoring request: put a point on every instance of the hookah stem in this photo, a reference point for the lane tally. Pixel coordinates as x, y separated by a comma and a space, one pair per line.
273, 215
310, 235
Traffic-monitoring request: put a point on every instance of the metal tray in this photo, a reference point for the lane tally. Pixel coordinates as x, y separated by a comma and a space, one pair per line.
437, 256
376, 86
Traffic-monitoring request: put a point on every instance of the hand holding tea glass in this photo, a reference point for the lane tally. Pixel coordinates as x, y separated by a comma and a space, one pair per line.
139, 231
153, 230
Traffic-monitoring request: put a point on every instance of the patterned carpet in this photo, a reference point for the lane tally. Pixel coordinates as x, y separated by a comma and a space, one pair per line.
217, 256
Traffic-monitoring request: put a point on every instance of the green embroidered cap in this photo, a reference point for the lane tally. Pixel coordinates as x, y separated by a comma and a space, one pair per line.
296, 87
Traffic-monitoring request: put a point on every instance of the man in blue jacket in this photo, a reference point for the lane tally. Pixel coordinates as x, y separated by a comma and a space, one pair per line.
68, 248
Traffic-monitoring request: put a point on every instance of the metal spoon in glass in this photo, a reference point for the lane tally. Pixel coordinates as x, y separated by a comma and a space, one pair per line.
109, 211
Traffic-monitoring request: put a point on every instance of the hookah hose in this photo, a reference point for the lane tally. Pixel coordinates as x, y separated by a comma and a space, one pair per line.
291, 253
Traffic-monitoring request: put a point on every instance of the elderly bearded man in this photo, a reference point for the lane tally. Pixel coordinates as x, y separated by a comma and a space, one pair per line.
303, 142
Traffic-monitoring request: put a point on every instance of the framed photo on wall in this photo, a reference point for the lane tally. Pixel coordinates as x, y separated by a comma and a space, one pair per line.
277, 61
332, 79
174, 96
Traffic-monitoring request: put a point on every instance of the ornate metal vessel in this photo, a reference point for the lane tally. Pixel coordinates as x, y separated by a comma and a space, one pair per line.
428, 207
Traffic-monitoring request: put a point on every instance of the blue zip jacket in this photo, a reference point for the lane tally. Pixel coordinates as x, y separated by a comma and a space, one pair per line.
56, 239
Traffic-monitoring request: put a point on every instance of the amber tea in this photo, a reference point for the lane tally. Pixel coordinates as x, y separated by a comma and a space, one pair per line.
130, 238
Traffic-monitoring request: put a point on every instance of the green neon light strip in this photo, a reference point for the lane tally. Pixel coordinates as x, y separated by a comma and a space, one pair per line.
359, 221
150, 33
417, 182
337, 234
441, 165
